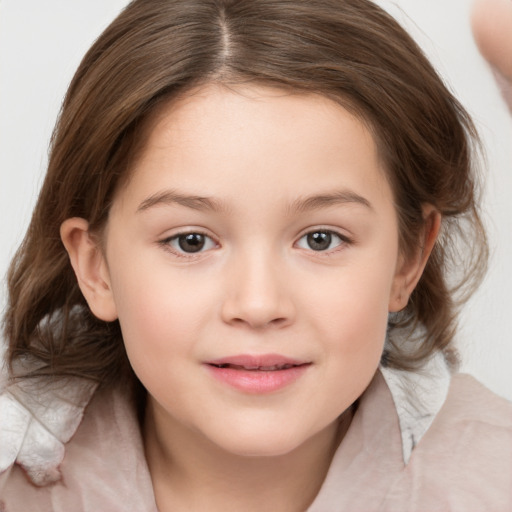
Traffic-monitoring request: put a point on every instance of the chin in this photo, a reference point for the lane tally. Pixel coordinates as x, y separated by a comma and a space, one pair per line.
261, 441
260, 448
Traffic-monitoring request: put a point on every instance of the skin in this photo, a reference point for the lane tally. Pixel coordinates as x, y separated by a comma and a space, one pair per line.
257, 287
492, 28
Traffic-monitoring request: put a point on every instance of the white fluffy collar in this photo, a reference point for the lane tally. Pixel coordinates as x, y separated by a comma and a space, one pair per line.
36, 421
418, 397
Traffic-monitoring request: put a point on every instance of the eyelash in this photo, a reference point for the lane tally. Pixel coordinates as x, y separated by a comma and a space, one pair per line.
167, 243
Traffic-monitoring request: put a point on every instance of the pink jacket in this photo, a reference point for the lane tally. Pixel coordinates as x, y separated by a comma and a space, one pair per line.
457, 458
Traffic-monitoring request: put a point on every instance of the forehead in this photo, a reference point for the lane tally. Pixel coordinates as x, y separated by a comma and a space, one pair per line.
233, 143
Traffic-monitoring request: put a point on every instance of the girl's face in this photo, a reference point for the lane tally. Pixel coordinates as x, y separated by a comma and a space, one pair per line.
252, 260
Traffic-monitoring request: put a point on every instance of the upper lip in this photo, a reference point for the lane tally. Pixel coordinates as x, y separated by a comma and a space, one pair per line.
258, 362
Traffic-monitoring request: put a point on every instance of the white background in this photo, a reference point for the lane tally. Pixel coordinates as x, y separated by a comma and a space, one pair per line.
42, 42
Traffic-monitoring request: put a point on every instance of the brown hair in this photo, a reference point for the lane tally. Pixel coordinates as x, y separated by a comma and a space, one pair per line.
348, 50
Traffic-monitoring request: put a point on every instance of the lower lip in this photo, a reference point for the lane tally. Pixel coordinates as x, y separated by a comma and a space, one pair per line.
258, 381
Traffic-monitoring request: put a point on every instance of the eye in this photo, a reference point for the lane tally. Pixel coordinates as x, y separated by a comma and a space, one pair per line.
189, 243
321, 240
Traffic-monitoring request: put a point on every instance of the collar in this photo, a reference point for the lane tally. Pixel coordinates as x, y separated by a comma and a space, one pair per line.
418, 396
37, 419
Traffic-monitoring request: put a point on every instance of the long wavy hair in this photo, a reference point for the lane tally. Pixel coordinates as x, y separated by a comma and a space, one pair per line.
348, 50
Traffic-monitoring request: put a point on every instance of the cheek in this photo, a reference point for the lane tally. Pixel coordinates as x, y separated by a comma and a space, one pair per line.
160, 312
353, 303
351, 315
356, 342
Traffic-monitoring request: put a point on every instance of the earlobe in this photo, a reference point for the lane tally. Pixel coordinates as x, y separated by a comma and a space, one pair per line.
90, 267
409, 271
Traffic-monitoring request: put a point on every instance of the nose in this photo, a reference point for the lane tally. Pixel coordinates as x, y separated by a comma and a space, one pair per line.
258, 294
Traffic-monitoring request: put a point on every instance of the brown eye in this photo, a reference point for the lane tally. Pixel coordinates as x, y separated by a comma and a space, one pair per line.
192, 242
321, 240
189, 243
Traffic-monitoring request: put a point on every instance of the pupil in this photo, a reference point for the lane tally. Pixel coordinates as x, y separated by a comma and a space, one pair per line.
319, 241
193, 242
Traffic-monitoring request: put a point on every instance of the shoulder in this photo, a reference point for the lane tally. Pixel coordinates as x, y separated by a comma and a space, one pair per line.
464, 460
428, 443
475, 423
99, 465
470, 401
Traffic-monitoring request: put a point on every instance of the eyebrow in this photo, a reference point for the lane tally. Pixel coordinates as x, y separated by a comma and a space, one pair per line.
300, 205
172, 197
319, 201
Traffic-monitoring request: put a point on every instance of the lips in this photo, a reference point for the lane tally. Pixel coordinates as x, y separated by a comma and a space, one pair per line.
258, 374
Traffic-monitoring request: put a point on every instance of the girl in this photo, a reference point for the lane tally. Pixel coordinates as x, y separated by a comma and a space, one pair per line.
239, 287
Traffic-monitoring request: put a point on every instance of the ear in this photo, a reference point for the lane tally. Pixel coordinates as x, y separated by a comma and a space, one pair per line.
90, 267
409, 270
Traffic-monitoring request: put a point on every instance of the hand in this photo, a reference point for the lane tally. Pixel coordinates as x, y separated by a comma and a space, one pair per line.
492, 29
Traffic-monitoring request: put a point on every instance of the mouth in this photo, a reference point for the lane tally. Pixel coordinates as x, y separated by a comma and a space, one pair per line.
258, 374
257, 368
263, 362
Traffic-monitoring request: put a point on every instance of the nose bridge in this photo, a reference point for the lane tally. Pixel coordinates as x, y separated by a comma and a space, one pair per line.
258, 294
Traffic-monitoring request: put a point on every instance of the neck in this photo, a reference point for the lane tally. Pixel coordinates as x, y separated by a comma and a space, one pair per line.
191, 473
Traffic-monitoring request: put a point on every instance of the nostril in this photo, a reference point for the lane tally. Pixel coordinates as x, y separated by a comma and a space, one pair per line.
278, 321
261, 323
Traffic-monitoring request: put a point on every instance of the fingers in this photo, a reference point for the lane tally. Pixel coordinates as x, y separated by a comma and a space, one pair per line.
492, 27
